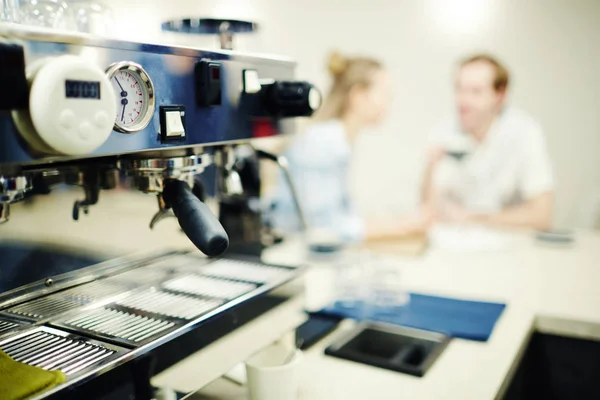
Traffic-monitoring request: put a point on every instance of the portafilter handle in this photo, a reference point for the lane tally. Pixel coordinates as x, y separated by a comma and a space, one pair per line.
195, 218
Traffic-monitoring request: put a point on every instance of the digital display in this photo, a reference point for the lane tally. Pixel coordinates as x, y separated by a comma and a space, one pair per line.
82, 89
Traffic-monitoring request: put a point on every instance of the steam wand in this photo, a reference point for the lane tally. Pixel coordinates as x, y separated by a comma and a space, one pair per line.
283, 165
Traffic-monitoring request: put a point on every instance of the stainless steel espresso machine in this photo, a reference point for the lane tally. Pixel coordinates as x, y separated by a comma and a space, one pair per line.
85, 120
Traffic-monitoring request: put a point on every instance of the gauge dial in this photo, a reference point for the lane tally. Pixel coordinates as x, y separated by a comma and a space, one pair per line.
134, 96
130, 99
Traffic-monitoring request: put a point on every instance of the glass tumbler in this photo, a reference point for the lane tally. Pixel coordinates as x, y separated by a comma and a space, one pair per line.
386, 294
9, 10
350, 285
91, 17
43, 13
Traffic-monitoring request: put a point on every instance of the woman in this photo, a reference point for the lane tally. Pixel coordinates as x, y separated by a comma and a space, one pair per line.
320, 157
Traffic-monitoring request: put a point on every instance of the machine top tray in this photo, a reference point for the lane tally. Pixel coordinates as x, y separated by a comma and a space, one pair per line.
107, 322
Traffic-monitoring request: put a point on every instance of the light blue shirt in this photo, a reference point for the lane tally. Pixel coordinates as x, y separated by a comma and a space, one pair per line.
319, 164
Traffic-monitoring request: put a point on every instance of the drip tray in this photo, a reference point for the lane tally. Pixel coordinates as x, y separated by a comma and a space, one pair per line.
139, 318
65, 301
44, 307
114, 324
169, 304
142, 305
95, 291
7, 326
209, 287
245, 271
400, 349
51, 349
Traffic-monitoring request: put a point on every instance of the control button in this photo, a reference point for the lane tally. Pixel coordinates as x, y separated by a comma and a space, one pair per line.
67, 119
101, 119
291, 98
251, 81
85, 130
12, 77
172, 123
208, 83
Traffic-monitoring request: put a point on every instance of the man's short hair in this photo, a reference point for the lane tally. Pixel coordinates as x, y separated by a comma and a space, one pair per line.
501, 77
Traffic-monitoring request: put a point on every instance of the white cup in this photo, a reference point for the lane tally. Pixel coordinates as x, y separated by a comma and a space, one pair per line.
273, 373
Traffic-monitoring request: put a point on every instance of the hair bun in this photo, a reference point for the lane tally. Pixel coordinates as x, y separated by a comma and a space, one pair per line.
337, 63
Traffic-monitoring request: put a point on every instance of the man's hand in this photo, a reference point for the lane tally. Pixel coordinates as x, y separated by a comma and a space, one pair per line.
535, 213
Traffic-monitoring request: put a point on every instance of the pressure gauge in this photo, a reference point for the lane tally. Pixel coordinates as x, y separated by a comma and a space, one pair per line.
71, 102
134, 96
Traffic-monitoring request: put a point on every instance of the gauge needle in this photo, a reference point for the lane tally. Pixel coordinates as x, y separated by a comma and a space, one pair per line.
123, 113
119, 83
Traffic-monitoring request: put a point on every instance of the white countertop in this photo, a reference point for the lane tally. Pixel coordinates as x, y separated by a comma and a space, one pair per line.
549, 288
546, 288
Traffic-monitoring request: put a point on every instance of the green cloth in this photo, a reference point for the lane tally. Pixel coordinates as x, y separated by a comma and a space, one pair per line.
20, 381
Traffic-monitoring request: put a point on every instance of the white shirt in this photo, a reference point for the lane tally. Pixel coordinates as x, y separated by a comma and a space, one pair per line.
509, 166
319, 162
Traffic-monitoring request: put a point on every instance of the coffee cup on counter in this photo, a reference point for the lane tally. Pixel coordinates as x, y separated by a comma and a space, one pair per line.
274, 373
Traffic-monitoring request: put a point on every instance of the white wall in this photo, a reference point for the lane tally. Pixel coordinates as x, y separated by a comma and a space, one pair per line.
551, 46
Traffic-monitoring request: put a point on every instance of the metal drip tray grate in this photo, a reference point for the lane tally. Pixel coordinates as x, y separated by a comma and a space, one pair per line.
143, 275
128, 327
94, 291
44, 307
58, 303
209, 287
50, 349
172, 305
6, 326
175, 262
245, 271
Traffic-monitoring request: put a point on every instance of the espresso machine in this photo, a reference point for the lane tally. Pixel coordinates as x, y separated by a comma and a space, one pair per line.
161, 133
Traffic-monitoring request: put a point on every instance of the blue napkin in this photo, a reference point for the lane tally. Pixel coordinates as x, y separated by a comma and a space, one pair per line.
473, 320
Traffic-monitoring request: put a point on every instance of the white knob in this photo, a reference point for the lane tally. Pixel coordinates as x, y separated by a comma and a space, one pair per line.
68, 104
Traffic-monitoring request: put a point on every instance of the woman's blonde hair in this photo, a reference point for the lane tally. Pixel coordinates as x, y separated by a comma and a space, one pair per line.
347, 73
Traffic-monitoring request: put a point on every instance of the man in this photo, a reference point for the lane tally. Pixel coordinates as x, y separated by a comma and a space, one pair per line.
489, 165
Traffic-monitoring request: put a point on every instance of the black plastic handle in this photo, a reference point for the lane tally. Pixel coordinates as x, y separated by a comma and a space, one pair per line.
195, 218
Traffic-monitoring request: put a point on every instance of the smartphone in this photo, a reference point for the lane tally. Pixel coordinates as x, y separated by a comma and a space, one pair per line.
316, 328
558, 237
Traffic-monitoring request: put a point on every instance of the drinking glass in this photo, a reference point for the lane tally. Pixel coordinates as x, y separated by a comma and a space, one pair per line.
350, 286
9, 10
370, 285
43, 13
90, 17
386, 293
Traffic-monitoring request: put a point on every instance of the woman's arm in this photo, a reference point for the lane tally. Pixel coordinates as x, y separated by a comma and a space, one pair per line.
418, 223
428, 197
400, 227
